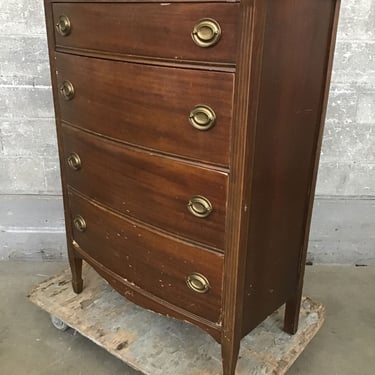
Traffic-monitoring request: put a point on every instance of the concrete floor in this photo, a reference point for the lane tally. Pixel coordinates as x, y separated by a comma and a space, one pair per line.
29, 344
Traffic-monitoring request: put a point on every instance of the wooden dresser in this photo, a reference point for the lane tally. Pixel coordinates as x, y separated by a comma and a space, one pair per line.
189, 137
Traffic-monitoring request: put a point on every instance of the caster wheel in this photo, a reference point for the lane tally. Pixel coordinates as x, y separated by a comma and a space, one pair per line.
58, 323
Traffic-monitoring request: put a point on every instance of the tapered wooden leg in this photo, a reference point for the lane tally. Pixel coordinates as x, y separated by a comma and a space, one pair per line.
76, 269
292, 310
230, 351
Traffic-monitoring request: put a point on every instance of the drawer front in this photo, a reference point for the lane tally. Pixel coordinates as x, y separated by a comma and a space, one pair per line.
146, 186
152, 261
150, 106
156, 30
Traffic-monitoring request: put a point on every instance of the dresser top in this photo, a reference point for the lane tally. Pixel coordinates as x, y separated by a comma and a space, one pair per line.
142, 1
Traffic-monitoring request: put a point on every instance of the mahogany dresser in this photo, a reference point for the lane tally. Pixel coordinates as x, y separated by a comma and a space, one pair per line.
189, 137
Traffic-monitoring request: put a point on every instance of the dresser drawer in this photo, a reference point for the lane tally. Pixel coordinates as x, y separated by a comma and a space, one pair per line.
154, 107
156, 30
152, 261
149, 187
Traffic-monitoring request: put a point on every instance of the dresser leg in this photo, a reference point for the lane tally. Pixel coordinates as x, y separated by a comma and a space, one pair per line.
76, 269
292, 310
230, 352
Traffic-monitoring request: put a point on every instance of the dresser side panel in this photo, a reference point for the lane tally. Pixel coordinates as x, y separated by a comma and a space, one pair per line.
288, 129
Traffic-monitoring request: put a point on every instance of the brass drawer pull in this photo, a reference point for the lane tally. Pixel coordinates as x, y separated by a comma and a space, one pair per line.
199, 206
63, 25
206, 32
66, 90
80, 223
197, 282
74, 161
202, 117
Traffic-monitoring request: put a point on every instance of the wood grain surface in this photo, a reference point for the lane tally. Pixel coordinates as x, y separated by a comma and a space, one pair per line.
158, 30
285, 148
152, 261
149, 106
148, 187
137, 79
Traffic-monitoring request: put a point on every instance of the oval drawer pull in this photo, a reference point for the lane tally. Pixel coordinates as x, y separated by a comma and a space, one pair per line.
80, 223
199, 206
66, 90
63, 25
206, 32
202, 117
197, 282
74, 161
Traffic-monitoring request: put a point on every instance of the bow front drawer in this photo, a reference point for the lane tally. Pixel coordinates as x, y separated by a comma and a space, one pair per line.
175, 196
177, 272
195, 32
183, 112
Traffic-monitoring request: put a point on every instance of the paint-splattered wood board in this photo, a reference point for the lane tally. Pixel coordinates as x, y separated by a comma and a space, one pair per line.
158, 345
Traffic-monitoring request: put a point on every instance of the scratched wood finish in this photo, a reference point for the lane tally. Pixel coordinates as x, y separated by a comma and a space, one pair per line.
152, 261
149, 187
149, 106
158, 30
138, 337
280, 53
148, 300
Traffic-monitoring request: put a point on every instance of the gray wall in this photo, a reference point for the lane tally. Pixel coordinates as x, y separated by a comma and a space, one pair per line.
31, 223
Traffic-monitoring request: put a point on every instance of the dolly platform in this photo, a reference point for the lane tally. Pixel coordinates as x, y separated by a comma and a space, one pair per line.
158, 345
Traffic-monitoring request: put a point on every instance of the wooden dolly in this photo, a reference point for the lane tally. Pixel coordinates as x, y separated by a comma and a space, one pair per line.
158, 345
